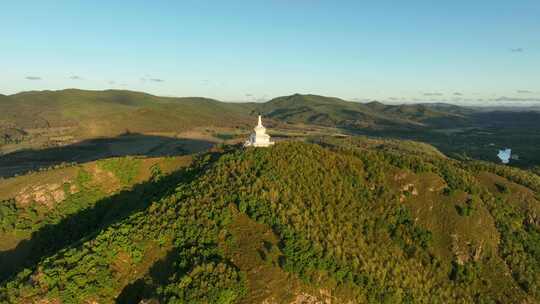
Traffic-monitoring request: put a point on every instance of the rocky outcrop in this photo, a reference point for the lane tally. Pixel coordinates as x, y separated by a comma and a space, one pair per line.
324, 297
45, 194
465, 252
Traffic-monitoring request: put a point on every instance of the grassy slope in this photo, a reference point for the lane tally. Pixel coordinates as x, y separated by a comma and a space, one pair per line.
313, 109
30, 203
103, 113
330, 111
428, 115
113, 111
362, 221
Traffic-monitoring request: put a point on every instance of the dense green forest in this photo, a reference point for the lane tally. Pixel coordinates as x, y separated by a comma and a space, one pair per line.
345, 219
348, 220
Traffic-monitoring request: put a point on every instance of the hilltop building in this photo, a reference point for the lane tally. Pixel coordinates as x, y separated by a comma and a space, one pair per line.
259, 138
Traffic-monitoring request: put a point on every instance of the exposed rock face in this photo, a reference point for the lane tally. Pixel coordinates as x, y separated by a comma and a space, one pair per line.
465, 252
305, 298
45, 194
406, 190
302, 298
48, 301
532, 219
325, 297
149, 301
400, 176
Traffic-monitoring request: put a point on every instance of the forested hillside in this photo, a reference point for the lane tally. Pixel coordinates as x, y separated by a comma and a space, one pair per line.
112, 112
86, 114
41, 212
331, 111
346, 220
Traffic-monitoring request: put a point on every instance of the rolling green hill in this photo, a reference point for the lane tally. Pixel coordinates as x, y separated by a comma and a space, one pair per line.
431, 115
330, 111
345, 220
111, 112
32, 203
36, 120
106, 113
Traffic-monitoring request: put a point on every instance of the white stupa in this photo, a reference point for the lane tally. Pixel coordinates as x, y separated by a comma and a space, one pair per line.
259, 138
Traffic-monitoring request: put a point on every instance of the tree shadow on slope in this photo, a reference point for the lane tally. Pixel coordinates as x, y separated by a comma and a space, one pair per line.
24, 161
88, 222
152, 286
145, 287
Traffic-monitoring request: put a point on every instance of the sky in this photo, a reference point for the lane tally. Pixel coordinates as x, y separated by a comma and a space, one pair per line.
464, 52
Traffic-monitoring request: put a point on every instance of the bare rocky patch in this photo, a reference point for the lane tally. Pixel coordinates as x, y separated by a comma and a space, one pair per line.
48, 195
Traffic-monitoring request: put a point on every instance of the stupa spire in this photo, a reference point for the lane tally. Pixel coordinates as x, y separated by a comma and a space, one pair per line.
259, 138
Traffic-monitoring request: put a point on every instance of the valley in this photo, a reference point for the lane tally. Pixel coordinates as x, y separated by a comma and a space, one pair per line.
99, 124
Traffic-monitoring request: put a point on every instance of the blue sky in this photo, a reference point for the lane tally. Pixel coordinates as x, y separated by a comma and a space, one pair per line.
396, 51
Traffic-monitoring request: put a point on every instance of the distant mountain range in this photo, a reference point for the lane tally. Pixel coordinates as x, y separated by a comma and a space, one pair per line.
47, 118
113, 111
104, 113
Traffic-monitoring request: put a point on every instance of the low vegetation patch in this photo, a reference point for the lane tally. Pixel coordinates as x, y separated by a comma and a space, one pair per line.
125, 168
